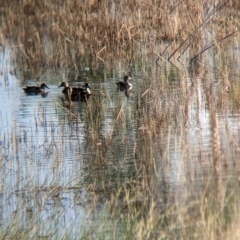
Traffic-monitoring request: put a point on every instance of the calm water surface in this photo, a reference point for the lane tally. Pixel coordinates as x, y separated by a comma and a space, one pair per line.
49, 152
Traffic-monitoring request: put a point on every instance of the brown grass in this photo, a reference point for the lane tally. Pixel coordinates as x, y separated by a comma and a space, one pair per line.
60, 33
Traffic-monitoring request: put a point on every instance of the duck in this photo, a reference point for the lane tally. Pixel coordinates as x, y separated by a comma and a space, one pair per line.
35, 90
67, 90
80, 93
125, 85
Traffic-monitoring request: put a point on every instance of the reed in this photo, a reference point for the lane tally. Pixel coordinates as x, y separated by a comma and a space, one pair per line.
57, 33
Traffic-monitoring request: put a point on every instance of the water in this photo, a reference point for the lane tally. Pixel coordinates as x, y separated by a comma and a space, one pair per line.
60, 166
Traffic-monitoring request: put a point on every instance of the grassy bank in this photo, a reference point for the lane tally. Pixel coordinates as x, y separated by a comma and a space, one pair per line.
60, 33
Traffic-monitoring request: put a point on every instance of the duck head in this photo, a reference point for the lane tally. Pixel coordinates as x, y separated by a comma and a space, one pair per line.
43, 86
63, 84
126, 79
87, 88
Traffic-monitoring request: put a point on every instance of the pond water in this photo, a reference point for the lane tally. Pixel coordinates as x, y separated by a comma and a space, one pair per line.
60, 166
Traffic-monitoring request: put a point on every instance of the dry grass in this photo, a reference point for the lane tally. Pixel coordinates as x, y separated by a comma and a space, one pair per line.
59, 33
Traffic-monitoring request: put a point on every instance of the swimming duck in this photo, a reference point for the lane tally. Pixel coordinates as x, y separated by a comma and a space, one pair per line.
124, 85
81, 93
34, 90
67, 90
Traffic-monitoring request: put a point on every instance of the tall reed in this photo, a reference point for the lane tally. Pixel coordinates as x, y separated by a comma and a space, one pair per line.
59, 33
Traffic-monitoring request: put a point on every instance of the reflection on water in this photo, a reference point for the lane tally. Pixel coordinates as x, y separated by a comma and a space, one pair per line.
56, 160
